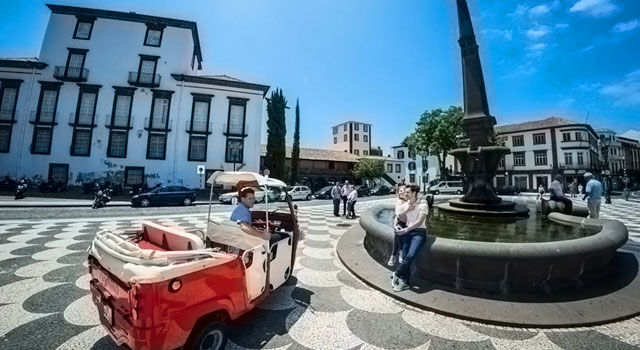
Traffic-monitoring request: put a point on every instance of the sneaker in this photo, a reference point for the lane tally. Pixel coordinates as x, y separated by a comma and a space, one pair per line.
394, 279
400, 286
400, 259
392, 260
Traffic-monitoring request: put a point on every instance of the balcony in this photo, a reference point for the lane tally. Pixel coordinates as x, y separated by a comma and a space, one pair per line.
118, 123
45, 118
82, 120
144, 79
232, 132
65, 73
197, 128
151, 124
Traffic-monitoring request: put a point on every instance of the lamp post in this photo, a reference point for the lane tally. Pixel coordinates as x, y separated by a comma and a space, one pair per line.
603, 146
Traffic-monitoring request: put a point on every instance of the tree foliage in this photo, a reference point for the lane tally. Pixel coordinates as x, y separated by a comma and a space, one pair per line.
368, 169
295, 151
436, 134
276, 132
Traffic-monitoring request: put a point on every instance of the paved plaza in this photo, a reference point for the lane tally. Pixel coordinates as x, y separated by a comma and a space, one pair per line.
45, 301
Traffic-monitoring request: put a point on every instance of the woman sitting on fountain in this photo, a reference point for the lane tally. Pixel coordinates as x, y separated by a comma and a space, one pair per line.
414, 236
399, 222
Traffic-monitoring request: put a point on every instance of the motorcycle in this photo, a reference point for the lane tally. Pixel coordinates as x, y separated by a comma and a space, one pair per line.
102, 198
21, 191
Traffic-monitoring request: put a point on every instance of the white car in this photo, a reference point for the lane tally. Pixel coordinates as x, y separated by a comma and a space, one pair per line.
232, 197
448, 187
298, 193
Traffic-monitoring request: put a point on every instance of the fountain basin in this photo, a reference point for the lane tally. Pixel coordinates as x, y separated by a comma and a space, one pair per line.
507, 267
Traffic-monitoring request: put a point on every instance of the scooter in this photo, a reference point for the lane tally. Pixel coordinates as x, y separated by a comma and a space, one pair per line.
21, 191
102, 198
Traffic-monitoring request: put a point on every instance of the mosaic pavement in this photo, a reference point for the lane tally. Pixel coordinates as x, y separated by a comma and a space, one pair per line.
45, 302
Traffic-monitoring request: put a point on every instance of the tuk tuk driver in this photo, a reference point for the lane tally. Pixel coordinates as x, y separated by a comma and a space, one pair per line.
242, 215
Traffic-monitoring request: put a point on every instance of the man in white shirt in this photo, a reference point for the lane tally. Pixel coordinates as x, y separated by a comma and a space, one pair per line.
415, 236
352, 198
344, 192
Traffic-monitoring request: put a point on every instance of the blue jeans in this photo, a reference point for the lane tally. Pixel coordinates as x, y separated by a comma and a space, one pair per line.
397, 240
411, 245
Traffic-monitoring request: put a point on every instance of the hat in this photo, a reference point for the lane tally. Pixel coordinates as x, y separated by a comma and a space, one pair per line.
586, 175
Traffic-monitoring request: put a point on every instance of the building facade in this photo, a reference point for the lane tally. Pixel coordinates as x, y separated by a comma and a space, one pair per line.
352, 137
544, 148
120, 97
419, 170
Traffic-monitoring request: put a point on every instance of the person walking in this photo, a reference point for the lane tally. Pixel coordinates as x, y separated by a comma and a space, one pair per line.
344, 192
415, 235
594, 192
557, 194
335, 195
572, 190
580, 189
352, 198
540, 192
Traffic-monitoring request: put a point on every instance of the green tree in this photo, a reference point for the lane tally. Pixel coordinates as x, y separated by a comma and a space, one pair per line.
276, 132
436, 134
368, 169
295, 151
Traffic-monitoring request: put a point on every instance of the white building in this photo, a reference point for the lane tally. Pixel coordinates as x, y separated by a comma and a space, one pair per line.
352, 137
118, 96
616, 157
544, 148
417, 169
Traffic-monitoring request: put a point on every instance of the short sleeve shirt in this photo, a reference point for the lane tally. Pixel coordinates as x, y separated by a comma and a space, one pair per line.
414, 214
594, 188
241, 214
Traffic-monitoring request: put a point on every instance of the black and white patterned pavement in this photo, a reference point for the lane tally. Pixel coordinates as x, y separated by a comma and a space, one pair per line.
45, 302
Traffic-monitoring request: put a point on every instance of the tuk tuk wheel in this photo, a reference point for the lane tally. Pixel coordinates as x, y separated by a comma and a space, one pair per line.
211, 337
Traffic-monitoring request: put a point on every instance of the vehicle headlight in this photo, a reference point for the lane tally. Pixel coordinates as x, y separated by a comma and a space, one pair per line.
136, 196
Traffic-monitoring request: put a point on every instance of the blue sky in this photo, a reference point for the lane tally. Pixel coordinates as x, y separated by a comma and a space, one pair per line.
385, 62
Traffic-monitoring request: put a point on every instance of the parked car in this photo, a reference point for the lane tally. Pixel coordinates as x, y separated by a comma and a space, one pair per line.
323, 193
298, 193
165, 195
507, 190
232, 197
363, 191
380, 190
446, 187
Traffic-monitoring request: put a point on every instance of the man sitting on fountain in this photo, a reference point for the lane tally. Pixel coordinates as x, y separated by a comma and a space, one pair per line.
414, 237
557, 194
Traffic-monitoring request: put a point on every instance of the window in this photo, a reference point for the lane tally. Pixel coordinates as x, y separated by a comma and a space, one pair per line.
121, 110
365, 138
578, 136
48, 106
398, 168
5, 138
236, 118
8, 99
580, 156
389, 168
345, 128
539, 139
117, 144
356, 126
147, 70
153, 37
540, 157
412, 154
365, 128
332, 165
200, 115
356, 137
59, 172
344, 138
365, 153
566, 136
518, 159
335, 140
568, 159
198, 148
42, 140
521, 182
75, 64
356, 152
517, 140
160, 108
501, 163
412, 165
235, 151
156, 146
400, 155
335, 130
133, 175
84, 27
412, 178
81, 143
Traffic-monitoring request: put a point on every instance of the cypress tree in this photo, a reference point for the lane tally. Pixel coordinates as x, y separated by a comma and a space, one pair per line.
295, 151
276, 132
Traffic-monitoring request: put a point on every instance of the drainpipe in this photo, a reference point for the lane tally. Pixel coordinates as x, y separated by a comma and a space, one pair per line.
175, 145
26, 121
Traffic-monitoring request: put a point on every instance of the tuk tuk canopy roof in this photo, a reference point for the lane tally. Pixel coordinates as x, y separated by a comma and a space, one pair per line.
245, 178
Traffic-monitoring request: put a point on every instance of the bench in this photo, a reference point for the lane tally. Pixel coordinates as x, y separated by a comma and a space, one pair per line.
168, 238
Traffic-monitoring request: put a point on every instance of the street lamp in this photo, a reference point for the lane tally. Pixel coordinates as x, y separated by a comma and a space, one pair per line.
603, 146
